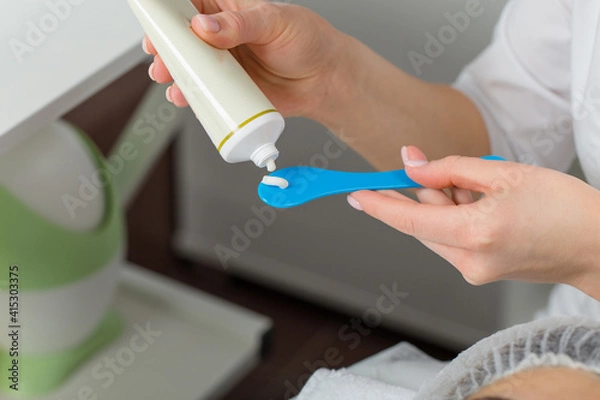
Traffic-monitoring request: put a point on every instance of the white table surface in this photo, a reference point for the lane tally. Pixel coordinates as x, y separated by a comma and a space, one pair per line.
203, 345
88, 44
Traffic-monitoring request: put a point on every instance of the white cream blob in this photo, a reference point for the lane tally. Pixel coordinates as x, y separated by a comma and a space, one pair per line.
275, 181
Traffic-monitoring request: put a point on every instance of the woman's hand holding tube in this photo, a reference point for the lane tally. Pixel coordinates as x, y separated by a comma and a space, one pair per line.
531, 223
308, 68
290, 52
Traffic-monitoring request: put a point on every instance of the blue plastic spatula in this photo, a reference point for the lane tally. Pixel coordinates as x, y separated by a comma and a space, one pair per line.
294, 186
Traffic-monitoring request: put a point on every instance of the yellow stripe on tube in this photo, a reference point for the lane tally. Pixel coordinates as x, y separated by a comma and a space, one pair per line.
246, 122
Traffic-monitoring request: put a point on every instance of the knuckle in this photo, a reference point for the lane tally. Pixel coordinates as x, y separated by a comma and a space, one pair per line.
237, 20
481, 241
456, 167
405, 223
271, 18
270, 8
483, 236
408, 225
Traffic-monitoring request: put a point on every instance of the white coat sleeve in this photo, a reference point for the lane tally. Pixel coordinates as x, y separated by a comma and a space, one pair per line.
521, 84
566, 301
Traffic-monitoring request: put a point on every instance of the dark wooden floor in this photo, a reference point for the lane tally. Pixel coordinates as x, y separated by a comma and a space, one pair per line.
303, 332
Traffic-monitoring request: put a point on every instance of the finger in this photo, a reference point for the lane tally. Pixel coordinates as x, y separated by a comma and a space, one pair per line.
260, 24
425, 196
439, 224
434, 196
215, 6
395, 195
158, 71
148, 46
468, 173
175, 96
412, 155
206, 6
462, 196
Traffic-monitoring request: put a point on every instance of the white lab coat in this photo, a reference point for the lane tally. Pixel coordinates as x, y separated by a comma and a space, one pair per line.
538, 84
538, 88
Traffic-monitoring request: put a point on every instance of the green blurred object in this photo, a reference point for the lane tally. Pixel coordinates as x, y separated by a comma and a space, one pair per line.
49, 257
44, 373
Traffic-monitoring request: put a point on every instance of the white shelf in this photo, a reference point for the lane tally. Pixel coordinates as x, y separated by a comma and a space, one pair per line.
84, 48
205, 347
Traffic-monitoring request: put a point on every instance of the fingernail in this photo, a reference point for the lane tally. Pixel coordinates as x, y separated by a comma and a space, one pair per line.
168, 94
151, 71
411, 163
145, 47
354, 203
208, 23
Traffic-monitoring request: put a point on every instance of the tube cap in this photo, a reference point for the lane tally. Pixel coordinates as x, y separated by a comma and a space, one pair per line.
265, 156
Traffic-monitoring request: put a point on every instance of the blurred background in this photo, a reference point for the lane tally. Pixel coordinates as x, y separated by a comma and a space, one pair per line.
315, 269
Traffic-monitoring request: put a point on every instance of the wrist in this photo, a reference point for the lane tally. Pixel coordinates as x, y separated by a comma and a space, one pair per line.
341, 84
362, 85
589, 280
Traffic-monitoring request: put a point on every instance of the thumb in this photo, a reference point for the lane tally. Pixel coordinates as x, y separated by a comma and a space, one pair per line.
259, 24
468, 173
413, 157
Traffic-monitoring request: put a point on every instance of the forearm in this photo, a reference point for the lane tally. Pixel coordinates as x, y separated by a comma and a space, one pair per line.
376, 108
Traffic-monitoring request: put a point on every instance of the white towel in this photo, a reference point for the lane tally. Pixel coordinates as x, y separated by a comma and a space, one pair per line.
342, 385
403, 365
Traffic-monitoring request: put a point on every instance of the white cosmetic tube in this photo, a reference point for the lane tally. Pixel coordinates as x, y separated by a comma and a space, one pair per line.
240, 120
